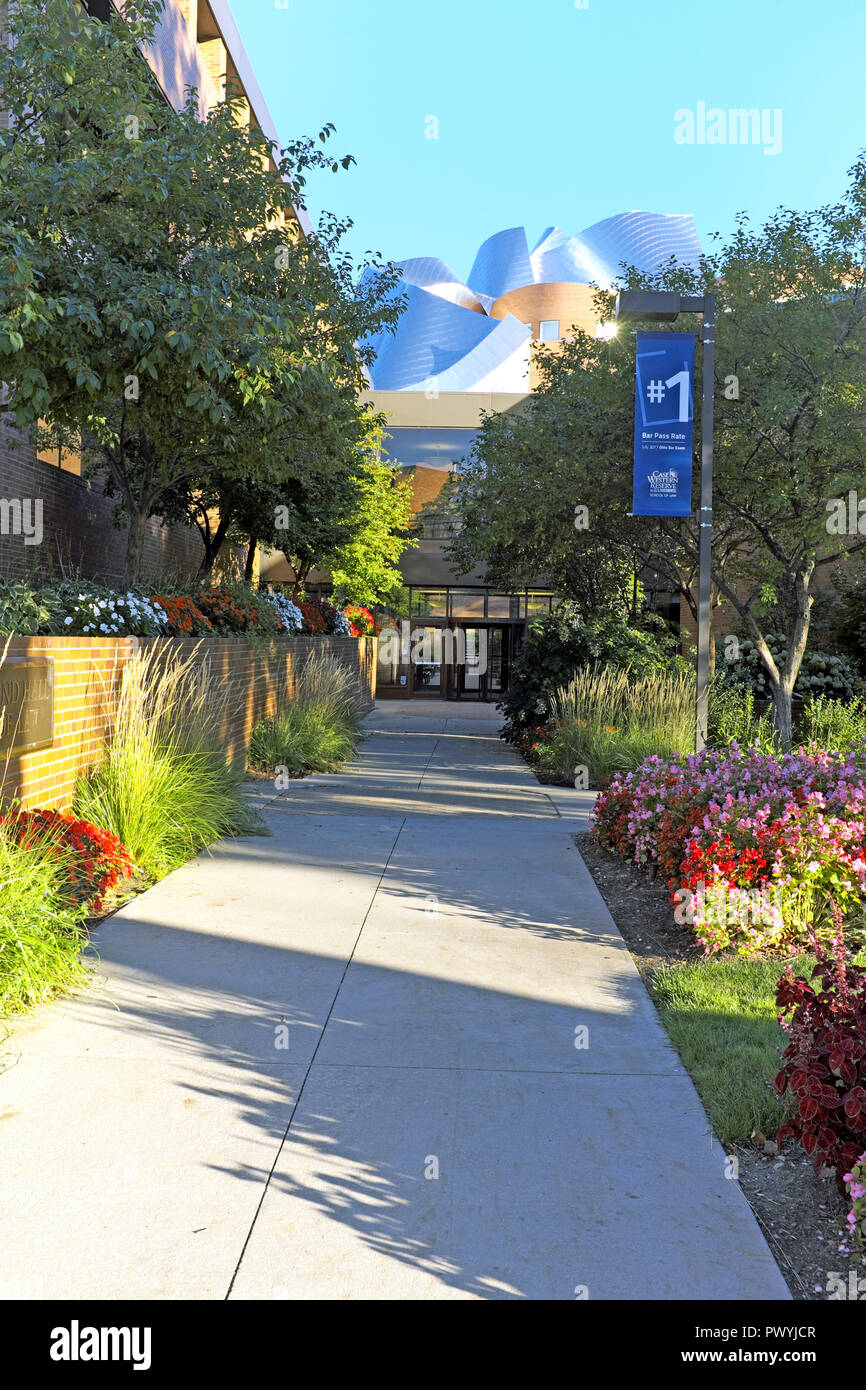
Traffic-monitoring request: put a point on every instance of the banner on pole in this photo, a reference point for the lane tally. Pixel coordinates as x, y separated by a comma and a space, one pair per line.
663, 421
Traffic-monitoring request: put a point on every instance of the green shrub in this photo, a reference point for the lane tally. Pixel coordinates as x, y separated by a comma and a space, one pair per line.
821, 673
319, 730
560, 643
847, 625
164, 786
24, 610
733, 719
41, 933
836, 725
607, 721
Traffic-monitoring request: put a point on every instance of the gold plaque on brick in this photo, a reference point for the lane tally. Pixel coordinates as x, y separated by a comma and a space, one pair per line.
26, 706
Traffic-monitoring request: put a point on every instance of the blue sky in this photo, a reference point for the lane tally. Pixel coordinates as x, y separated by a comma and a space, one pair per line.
549, 113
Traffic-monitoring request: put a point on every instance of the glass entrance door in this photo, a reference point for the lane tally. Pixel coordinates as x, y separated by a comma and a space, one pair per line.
427, 660
464, 661
497, 642
473, 668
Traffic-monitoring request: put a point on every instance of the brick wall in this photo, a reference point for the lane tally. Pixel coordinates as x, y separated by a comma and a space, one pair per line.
259, 677
80, 538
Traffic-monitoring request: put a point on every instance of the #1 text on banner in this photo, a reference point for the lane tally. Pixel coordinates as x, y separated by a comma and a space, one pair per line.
663, 421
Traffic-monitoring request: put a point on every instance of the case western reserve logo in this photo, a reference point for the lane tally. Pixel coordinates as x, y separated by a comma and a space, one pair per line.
662, 482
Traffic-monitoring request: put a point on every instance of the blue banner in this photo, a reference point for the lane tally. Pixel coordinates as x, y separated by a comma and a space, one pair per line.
663, 420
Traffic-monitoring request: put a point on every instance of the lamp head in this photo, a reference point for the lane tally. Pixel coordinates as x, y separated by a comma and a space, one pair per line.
661, 305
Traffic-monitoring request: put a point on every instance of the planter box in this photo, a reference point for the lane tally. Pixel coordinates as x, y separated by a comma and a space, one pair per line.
86, 675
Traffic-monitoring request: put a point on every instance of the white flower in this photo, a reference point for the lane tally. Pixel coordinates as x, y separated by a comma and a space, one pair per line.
67, 621
102, 627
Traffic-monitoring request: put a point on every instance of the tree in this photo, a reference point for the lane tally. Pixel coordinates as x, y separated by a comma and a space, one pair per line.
251, 499
334, 504
364, 565
164, 305
531, 508
790, 413
792, 335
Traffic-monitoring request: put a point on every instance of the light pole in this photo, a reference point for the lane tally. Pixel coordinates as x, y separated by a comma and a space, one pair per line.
663, 306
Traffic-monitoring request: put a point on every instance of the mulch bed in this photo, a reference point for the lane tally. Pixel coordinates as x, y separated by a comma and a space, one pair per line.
802, 1215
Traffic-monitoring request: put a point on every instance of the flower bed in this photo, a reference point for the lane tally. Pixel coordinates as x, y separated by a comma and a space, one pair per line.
756, 847
288, 612
314, 618
855, 1187
231, 611
86, 609
86, 614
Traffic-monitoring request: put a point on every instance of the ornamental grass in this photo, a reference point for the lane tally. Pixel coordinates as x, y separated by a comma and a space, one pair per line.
319, 730
607, 722
164, 786
41, 930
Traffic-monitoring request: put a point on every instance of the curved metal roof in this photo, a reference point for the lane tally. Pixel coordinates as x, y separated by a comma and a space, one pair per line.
446, 339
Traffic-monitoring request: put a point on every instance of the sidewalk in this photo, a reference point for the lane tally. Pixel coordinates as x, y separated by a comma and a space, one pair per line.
424, 936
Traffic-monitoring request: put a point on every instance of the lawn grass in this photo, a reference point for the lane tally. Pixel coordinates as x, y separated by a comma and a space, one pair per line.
721, 1017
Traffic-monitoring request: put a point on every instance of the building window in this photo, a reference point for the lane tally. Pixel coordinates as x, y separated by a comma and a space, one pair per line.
548, 330
420, 447
511, 606
69, 460
429, 603
467, 603
538, 604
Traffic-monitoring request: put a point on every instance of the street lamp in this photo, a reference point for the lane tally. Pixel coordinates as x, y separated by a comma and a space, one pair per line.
663, 306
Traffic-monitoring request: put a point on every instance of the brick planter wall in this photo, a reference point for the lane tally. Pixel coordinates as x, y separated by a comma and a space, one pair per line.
259, 676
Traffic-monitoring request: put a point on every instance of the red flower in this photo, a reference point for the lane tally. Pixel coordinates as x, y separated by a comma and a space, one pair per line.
314, 619
98, 857
184, 617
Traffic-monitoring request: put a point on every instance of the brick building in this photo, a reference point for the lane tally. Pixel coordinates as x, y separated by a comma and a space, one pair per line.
196, 46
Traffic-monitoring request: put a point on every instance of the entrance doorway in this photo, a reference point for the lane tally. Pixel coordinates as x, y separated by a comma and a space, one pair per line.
489, 626
477, 662
428, 666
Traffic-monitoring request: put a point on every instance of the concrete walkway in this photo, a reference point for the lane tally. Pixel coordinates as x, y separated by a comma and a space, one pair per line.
347, 1061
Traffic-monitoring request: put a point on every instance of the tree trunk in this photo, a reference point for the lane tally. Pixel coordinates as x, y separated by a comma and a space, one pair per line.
212, 543
300, 580
782, 716
206, 565
207, 559
250, 562
135, 539
782, 682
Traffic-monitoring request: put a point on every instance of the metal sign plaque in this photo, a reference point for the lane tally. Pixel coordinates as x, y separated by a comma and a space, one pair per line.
26, 705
